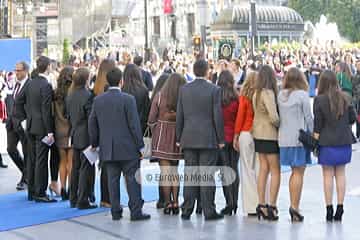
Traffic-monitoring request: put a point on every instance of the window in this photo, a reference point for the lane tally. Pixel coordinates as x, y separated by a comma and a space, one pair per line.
156, 25
191, 24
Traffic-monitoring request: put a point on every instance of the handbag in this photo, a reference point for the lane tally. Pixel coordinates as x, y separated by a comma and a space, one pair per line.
308, 140
147, 141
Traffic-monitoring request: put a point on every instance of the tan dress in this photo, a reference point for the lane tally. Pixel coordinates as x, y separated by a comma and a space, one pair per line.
62, 126
163, 128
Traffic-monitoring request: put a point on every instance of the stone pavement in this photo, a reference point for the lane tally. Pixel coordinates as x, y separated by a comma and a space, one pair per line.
101, 227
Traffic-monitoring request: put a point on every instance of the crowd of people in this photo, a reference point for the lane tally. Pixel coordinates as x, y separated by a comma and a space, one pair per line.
211, 114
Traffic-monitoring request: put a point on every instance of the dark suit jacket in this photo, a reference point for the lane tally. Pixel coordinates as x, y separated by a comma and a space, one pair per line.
39, 96
333, 131
147, 79
78, 107
199, 120
114, 126
15, 108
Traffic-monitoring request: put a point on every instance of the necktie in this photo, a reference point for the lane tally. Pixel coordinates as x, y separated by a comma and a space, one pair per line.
16, 89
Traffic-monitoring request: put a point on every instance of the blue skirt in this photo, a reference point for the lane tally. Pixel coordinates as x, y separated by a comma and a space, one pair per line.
294, 156
334, 156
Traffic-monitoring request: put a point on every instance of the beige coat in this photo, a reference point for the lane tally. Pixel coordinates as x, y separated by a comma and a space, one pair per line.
266, 117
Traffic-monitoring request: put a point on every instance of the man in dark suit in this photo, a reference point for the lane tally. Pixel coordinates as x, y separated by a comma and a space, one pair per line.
114, 126
138, 61
15, 122
200, 133
39, 95
78, 108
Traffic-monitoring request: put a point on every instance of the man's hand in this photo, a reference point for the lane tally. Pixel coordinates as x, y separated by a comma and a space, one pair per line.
93, 149
221, 146
178, 144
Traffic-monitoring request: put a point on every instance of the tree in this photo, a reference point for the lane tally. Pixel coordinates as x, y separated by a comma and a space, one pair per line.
66, 52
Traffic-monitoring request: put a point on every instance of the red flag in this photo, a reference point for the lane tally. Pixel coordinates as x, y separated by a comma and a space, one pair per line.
168, 7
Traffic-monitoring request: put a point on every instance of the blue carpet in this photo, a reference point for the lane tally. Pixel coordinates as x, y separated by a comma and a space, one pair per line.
17, 212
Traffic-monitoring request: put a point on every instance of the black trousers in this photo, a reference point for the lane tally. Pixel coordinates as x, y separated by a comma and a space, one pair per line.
54, 162
128, 168
81, 178
13, 139
37, 166
228, 157
104, 190
194, 158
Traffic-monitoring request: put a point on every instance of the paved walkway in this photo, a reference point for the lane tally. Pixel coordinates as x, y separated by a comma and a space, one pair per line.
100, 226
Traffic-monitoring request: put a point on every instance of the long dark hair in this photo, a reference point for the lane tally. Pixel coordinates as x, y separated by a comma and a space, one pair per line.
266, 80
133, 81
100, 83
226, 83
295, 80
159, 84
63, 83
170, 90
80, 79
329, 86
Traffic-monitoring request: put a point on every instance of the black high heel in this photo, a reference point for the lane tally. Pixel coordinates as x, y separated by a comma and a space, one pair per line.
260, 213
329, 213
64, 195
53, 192
175, 209
227, 211
295, 215
273, 213
339, 212
235, 210
168, 209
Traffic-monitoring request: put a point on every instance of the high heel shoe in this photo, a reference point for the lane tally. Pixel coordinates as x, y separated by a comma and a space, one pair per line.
64, 195
175, 209
227, 211
53, 192
168, 209
339, 212
329, 213
295, 215
260, 213
273, 213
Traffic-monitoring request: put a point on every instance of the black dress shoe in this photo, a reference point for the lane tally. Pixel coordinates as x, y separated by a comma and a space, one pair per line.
92, 198
45, 199
21, 186
141, 217
3, 165
72, 205
214, 216
86, 206
185, 216
117, 216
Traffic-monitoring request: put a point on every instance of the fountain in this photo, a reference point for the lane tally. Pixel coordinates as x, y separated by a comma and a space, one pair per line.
323, 32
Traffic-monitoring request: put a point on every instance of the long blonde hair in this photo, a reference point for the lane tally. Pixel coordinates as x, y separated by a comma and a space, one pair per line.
247, 89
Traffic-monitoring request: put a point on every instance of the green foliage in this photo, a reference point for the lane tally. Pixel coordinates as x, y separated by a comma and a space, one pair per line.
66, 52
346, 13
282, 45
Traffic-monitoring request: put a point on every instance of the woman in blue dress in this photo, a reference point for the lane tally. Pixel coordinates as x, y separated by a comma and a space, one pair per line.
295, 114
334, 116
